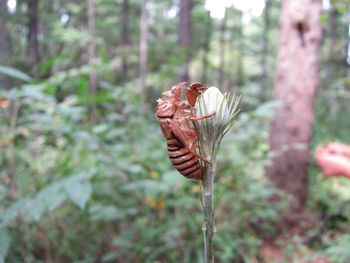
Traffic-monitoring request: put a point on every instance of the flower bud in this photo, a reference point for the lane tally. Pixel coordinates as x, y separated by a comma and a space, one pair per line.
212, 129
212, 101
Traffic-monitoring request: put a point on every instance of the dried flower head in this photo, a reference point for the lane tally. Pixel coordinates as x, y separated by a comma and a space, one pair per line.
212, 130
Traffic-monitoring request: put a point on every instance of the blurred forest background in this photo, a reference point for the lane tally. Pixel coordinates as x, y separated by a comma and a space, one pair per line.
84, 174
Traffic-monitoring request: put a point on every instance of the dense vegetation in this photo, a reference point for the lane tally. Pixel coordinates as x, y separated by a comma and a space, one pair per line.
82, 188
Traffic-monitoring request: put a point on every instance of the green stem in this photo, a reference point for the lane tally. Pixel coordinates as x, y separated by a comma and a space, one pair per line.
208, 211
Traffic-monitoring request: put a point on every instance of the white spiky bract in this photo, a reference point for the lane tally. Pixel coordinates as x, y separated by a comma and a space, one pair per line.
211, 130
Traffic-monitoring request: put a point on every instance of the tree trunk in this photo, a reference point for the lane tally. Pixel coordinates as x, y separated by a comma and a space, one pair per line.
4, 33
33, 21
143, 45
125, 37
295, 90
185, 35
346, 72
206, 49
335, 62
222, 52
236, 42
5, 46
240, 67
92, 57
11, 157
333, 29
265, 49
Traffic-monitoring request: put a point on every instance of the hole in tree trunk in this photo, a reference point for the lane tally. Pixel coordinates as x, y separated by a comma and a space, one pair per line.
301, 28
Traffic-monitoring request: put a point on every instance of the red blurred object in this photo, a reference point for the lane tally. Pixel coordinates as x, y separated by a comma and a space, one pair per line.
334, 159
5, 180
4, 103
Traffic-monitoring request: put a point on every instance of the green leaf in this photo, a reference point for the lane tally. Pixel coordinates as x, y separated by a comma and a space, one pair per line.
79, 193
15, 73
173, 179
106, 213
266, 110
5, 241
55, 200
10, 213
37, 208
52, 196
149, 186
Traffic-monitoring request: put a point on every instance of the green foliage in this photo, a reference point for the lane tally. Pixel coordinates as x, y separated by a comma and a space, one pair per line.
15, 73
105, 191
117, 174
338, 249
5, 240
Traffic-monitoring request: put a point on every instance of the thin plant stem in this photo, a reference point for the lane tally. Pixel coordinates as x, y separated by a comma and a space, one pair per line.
208, 211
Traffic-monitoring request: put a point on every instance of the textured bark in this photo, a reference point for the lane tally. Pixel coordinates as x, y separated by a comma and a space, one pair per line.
185, 35
143, 45
33, 21
5, 46
4, 33
11, 157
241, 47
92, 57
206, 49
222, 52
332, 30
265, 47
335, 65
125, 36
295, 90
